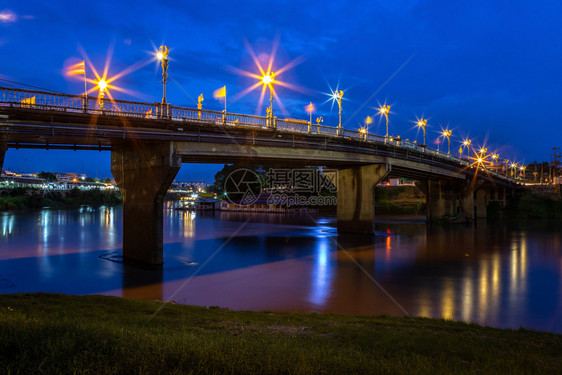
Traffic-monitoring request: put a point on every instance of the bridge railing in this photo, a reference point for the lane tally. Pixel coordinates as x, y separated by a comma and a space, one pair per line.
293, 125
41, 100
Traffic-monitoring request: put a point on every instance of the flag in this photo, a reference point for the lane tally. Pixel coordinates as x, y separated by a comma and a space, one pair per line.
368, 120
148, 114
28, 102
220, 93
76, 69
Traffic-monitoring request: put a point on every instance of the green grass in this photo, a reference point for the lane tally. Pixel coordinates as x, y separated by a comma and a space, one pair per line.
534, 206
48, 333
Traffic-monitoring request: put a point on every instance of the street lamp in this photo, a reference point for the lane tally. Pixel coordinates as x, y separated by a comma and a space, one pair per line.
162, 55
522, 169
310, 108
495, 158
513, 167
338, 95
102, 85
422, 123
268, 79
363, 132
385, 110
368, 121
447, 133
466, 143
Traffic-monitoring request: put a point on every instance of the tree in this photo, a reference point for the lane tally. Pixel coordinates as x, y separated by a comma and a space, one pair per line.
47, 176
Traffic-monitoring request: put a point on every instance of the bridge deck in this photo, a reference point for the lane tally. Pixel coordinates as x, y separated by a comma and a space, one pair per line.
34, 119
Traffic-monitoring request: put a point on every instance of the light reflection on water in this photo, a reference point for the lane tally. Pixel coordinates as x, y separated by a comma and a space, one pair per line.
496, 274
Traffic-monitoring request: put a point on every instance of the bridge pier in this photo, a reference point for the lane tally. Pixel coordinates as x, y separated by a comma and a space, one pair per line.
441, 199
448, 198
445, 198
143, 173
356, 203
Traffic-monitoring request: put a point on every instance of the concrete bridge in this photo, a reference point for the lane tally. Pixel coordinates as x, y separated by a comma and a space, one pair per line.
148, 144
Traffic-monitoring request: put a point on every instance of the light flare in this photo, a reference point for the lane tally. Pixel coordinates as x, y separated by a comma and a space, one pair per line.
267, 77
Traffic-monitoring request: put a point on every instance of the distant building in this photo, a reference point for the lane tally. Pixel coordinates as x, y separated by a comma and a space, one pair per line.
197, 185
68, 177
12, 182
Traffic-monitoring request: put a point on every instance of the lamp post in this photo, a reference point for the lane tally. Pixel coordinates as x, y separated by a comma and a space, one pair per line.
363, 132
162, 55
513, 168
268, 79
310, 108
338, 95
422, 123
495, 158
385, 110
522, 169
102, 85
447, 133
466, 143
368, 121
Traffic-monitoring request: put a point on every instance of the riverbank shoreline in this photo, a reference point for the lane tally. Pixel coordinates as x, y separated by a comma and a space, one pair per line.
25, 199
54, 333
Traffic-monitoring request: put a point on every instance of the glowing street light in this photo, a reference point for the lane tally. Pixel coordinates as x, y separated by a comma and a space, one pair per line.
337, 96
483, 151
422, 123
102, 86
522, 169
162, 55
384, 110
268, 79
495, 158
466, 143
447, 134
513, 168
363, 132
368, 121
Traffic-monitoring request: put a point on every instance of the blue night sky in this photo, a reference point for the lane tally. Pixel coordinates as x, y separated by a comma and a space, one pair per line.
490, 70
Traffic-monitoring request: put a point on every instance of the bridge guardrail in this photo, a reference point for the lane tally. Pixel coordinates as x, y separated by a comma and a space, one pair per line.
42, 100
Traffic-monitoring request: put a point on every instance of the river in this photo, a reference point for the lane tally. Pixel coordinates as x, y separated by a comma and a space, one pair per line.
501, 274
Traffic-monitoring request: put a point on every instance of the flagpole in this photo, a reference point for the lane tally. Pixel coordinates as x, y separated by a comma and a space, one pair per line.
225, 100
85, 90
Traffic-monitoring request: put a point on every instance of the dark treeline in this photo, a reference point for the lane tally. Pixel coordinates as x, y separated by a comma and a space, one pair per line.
21, 198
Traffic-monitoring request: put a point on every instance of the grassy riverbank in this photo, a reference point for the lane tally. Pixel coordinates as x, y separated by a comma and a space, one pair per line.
34, 198
46, 333
534, 206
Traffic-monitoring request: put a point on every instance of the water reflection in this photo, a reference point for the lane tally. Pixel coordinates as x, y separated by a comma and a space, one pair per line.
321, 273
501, 274
7, 220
